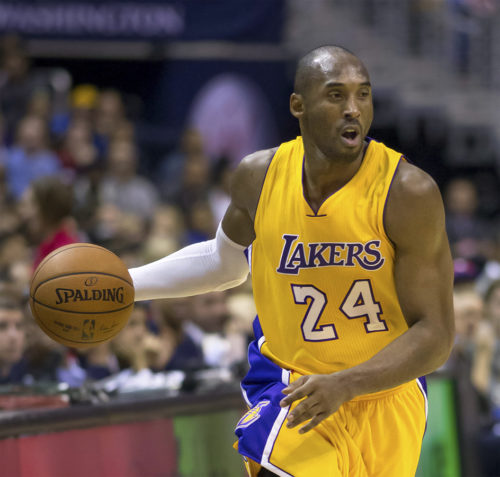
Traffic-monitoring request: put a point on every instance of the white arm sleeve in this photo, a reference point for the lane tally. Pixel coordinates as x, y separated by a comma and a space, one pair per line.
213, 265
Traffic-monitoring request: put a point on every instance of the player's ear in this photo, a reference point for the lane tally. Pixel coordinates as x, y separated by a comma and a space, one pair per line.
296, 105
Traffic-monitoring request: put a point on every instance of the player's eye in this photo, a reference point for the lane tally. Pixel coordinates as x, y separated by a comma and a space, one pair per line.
336, 95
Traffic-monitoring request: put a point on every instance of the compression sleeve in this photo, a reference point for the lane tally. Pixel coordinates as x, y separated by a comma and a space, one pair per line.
213, 265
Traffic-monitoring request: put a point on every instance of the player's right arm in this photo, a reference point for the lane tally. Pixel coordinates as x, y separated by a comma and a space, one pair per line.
245, 193
216, 264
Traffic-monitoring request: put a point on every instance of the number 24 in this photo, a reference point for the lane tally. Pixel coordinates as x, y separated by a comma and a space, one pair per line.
358, 303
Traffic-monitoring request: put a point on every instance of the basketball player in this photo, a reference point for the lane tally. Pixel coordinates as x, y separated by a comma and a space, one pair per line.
352, 280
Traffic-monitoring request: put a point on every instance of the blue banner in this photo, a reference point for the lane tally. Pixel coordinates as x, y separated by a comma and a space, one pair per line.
195, 20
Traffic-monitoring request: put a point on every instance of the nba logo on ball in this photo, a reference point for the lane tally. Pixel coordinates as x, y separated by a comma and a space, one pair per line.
81, 295
88, 329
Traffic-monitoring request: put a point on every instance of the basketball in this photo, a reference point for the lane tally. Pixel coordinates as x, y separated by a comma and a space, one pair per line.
81, 295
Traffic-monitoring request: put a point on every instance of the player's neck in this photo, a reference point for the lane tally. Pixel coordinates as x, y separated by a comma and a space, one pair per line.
323, 176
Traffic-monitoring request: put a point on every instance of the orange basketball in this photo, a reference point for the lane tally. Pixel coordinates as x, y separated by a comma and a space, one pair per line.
81, 295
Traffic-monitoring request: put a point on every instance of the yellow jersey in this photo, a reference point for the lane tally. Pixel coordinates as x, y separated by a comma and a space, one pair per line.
323, 281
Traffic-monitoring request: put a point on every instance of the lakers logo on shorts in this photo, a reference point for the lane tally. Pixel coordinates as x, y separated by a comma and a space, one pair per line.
252, 415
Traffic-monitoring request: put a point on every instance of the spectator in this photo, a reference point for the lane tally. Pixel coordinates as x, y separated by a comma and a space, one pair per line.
16, 260
201, 224
466, 229
135, 346
46, 359
123, 187
78, 106
30, 157
107, 227
109, 113
78, 138
17, 83
491, 269
242, 310
50, 217
488, 353
13, 367
208, 329
97, 362
88, 176
124, 130
194, 183
166, 234
178, 349
40, 105
170, 171
10, 218
83, 102
468, 307
487, 368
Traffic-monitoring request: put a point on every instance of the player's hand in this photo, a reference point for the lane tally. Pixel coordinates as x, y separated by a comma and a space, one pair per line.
323, 395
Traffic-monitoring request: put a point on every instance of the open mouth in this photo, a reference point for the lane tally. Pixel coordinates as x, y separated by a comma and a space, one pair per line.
350, 137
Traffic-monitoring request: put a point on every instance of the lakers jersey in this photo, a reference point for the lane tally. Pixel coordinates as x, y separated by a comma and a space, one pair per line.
324, 281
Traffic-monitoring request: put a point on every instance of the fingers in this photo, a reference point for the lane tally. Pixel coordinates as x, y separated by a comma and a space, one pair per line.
295, 384
313, 413
293, 396
303, 412
307, 410
313, 422
296, 390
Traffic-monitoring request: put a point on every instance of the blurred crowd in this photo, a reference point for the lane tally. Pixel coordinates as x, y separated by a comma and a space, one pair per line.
70, 171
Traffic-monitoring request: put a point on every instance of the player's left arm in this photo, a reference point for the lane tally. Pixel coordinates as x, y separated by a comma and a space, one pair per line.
415, 222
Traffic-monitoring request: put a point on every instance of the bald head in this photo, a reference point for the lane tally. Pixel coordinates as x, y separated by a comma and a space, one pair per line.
320, 61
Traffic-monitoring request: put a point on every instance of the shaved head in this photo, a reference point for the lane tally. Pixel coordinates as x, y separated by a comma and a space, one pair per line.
332, 92
319, 61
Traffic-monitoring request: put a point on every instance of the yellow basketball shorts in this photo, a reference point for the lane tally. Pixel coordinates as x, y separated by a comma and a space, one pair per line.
374, 435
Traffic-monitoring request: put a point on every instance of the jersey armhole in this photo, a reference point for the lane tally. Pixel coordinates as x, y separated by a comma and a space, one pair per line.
259, 200
384, 208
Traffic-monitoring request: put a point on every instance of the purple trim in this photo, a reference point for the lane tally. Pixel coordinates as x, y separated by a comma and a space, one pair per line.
409, 161
387, 198
319, 215
423, 390
423, 383
302, 184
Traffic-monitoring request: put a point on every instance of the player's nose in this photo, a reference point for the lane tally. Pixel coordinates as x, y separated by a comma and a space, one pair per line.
351, 109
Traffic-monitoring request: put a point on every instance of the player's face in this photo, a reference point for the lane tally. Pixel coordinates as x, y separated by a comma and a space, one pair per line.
12, 336
337, 109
